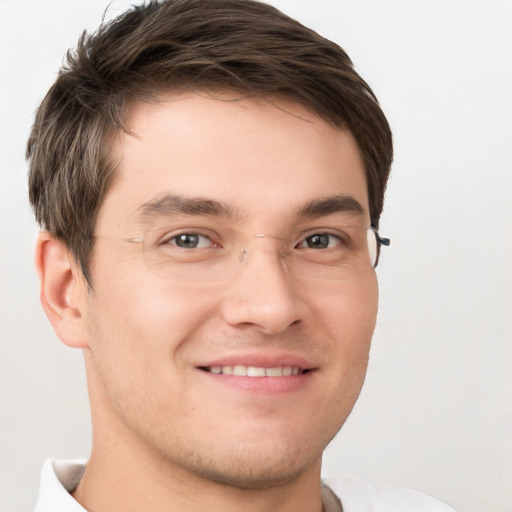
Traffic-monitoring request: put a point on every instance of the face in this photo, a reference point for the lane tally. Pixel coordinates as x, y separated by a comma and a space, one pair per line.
158, 341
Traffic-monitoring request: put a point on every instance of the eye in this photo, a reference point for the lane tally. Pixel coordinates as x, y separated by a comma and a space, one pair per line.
320, 241
189, 241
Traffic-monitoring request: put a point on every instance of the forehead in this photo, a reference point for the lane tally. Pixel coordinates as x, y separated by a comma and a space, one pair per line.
260, 157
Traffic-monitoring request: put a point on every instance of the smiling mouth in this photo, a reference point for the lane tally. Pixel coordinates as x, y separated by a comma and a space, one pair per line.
254, 371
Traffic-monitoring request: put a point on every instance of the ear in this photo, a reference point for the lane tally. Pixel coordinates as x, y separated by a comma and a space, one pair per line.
63, 290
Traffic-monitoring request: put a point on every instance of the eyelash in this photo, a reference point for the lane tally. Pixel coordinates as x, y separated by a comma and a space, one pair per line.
169, 239
338, 239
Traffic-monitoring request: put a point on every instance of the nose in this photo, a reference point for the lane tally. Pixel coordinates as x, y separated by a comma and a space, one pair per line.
264, 294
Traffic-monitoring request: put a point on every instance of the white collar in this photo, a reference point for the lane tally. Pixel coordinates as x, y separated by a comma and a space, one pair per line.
58, 479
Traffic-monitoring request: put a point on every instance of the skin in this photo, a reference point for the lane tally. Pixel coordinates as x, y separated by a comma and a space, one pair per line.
167, 435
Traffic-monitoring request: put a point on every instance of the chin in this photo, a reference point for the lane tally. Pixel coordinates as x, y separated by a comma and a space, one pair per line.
240, 473
253, 462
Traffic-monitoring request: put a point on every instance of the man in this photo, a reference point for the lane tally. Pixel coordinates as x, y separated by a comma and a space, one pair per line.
209, 177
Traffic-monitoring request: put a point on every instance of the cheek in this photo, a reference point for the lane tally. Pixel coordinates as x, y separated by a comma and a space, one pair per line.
346, 316
348, 310
146, 307
362, 307
136, 326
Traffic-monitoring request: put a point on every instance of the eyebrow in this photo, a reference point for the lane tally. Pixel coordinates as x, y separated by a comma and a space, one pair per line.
329, 205
171, 204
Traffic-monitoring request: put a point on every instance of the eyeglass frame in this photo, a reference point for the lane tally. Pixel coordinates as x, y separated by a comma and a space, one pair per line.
381, 241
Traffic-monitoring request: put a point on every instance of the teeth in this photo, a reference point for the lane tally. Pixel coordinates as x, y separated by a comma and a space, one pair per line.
274, 372
239, 370
226, 370
255, 371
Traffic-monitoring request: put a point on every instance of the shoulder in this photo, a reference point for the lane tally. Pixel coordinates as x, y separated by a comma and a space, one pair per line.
358, 496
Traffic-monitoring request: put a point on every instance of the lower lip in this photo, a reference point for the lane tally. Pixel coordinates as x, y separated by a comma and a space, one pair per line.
262, 385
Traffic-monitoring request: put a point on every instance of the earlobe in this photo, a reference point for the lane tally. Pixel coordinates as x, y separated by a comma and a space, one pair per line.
63, 290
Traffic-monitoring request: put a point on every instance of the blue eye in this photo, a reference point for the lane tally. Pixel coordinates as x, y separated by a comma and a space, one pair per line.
320, 241
190, 241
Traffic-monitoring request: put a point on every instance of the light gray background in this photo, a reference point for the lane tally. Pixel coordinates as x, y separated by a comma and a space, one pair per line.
436, 411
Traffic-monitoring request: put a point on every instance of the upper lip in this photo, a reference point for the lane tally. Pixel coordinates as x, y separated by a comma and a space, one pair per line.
261, 360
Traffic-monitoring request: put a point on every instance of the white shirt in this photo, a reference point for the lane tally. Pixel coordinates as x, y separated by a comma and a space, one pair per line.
58, 478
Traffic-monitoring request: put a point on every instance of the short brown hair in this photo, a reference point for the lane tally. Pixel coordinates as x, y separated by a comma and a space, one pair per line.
233, 45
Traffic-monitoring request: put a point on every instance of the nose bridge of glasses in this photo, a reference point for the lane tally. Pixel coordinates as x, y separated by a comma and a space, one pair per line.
271, 243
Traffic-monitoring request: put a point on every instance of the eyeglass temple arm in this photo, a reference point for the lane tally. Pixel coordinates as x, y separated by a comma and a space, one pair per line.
380, 241
383, 241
